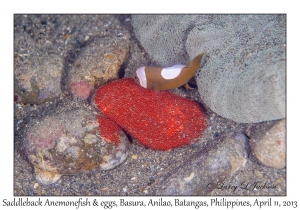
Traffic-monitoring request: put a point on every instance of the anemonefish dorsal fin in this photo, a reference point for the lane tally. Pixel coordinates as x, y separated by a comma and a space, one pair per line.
158, 78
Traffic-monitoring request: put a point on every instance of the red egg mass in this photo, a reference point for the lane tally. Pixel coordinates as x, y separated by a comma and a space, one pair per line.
157, 119
109, 130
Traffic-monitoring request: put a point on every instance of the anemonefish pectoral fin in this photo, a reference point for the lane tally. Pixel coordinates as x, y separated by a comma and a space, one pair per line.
190, 86
187, 87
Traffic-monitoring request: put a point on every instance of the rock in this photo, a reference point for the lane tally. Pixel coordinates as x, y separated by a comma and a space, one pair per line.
244, 76
98, 63
46, 177
69, 142
270, 148
37, 73
157, 119
209, 168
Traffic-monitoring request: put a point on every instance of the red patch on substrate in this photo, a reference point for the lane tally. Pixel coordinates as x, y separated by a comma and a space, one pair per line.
45, 134
157, 119
109, 130
81, 89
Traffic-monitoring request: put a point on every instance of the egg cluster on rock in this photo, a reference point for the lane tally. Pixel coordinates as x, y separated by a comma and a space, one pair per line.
157, 119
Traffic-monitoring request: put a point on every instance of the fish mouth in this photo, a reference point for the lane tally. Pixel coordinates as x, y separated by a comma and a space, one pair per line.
135, 77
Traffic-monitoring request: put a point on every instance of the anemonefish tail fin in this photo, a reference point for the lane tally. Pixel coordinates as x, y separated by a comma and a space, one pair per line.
196, 62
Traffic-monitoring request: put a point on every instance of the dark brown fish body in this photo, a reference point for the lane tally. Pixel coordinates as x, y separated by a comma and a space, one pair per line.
159, 78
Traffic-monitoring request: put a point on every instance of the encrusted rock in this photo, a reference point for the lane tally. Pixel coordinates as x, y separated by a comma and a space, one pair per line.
270, 148
37, 73
99, 62
69, 142
206, 170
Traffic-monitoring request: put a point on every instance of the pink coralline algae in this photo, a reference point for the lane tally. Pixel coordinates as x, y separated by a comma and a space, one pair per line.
81, 89
157, 119
46, 134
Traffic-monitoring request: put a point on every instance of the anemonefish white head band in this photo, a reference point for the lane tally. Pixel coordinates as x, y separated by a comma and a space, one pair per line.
140, 72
